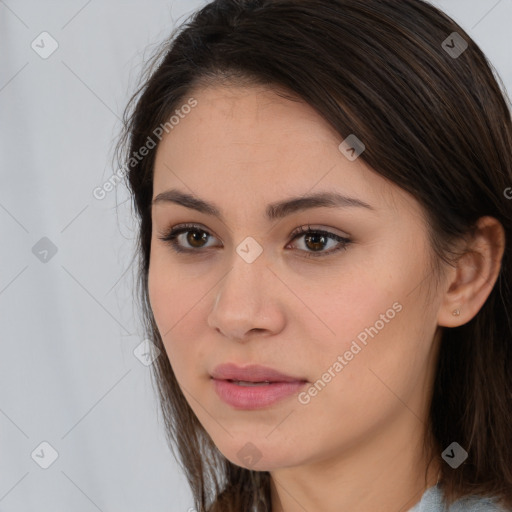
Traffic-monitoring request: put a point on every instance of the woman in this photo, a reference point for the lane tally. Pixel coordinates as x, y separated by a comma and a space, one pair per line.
324, 246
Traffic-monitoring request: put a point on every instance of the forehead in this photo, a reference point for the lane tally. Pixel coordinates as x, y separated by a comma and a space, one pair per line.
252, 141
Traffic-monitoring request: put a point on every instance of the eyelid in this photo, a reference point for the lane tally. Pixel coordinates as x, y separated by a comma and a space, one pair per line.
320, 228
178, 229
296, 231
169, 236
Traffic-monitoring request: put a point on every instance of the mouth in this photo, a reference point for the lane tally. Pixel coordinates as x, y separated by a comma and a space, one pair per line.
253, 386
254, 395
251, 375
247, 383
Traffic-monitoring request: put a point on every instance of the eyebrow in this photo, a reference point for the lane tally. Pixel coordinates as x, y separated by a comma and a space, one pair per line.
274, 211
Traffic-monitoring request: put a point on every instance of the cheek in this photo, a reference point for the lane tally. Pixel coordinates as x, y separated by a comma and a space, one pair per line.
351, 303
379, 352
175, 299
166, 296
171, 293
374, 323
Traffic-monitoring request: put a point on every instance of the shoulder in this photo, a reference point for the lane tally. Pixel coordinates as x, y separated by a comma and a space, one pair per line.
477, 504
432, 501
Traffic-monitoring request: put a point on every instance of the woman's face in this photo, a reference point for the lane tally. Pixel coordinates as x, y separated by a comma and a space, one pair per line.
354, 323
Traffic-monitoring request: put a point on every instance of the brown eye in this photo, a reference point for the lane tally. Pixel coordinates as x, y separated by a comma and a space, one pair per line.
315, 242
187, 238
196, 238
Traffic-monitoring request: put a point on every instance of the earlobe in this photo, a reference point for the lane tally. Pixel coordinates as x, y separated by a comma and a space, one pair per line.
475, 274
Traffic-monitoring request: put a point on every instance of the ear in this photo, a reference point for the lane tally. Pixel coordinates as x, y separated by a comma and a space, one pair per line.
472, 280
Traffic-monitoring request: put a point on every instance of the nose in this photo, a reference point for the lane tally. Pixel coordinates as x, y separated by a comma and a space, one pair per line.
248, 301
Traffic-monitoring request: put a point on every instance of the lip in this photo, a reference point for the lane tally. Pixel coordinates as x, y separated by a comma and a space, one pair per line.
251, 373
253, 397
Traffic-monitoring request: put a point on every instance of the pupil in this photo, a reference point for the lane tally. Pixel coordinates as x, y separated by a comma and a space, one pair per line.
309, 237
193, 236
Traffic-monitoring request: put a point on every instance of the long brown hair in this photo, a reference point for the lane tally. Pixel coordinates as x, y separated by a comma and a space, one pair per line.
434, 121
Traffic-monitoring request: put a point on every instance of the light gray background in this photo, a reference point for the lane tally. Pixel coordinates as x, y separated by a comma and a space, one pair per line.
69, 326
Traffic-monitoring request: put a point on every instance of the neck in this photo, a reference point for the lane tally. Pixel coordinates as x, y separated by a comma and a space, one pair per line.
386, 474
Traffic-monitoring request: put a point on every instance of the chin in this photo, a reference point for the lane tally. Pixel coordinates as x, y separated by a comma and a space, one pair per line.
252, 455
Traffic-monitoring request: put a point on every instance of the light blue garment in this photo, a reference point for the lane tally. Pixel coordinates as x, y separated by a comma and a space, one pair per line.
432, 501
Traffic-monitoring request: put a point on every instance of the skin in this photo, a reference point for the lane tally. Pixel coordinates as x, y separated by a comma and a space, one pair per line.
357, 445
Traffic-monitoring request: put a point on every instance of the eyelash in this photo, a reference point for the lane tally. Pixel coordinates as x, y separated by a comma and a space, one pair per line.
171, 235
